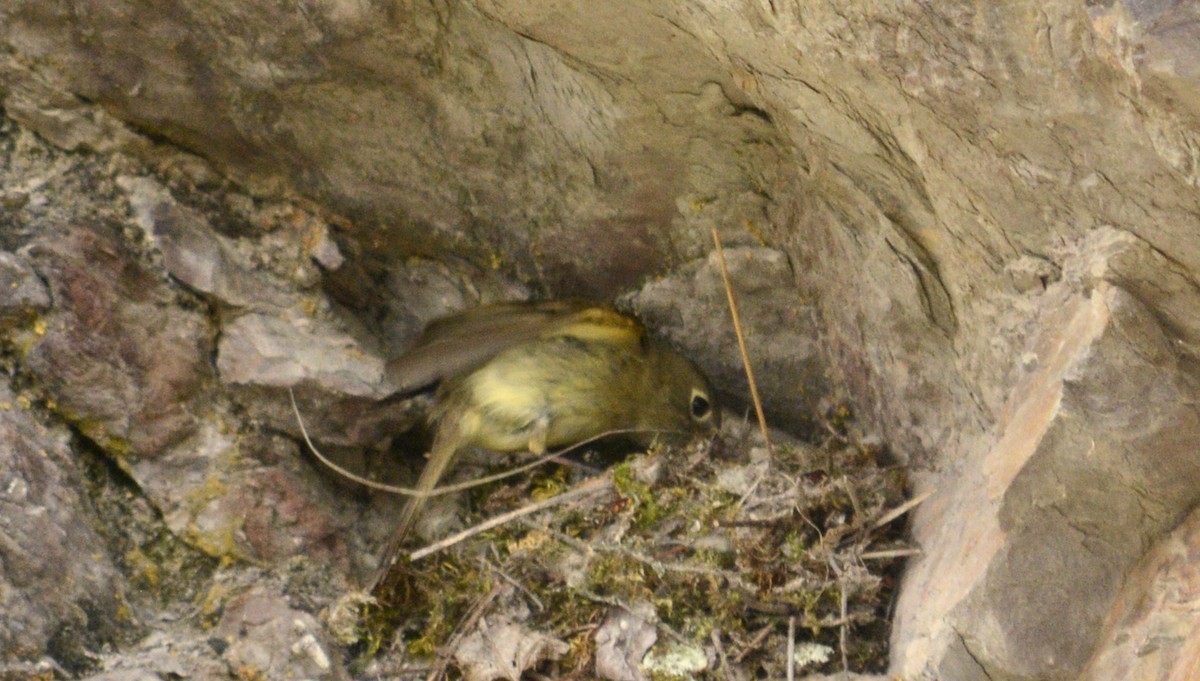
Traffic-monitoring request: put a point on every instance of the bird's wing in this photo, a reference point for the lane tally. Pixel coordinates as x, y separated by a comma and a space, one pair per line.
455, 344
598, 324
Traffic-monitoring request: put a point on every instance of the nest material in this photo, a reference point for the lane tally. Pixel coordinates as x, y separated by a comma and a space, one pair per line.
721, 550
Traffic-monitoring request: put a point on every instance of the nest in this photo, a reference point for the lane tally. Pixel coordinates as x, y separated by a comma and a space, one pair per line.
726, 560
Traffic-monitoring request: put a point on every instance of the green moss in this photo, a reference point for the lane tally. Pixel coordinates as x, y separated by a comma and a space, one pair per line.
250, 673
358, 619
547, 486
648, 508
580, 652
443, 590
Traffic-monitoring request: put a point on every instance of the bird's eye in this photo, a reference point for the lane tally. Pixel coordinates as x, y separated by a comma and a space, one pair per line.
700, 406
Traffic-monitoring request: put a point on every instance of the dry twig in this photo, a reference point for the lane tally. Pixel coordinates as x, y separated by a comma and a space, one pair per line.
890, 555
754, 642
791, 649
845, 629
584, 490
901, 510
443, 658
741, 338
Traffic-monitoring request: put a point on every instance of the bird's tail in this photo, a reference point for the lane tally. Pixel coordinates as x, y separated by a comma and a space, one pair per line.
445, 445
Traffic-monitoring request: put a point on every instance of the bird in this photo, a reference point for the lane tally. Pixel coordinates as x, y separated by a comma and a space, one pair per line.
530, 376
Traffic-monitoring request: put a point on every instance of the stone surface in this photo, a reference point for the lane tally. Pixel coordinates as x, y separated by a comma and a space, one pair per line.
1092, 459
125, 361
115, 349
250, 497
255, 626
59, 589
850, 160
258, 349
844, 677
165, 654
1151, 632
268, 639
120, 356
974, 222
39, 101
127, 675
194, 253
431, 289
22, 293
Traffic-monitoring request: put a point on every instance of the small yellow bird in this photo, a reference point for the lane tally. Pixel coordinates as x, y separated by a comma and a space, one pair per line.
532, 376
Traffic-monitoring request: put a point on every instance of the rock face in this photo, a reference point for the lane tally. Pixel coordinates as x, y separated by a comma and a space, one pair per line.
975, 222
118, 351
1150, 632
1091, 462
59, 590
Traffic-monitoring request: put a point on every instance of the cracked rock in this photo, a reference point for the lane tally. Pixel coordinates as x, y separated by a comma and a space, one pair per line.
120, 357
58, 588
265, 350
268, 637
194, 253
21, 291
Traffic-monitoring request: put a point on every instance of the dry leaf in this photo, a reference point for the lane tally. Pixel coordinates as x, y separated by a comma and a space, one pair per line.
622, 641
505, 651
